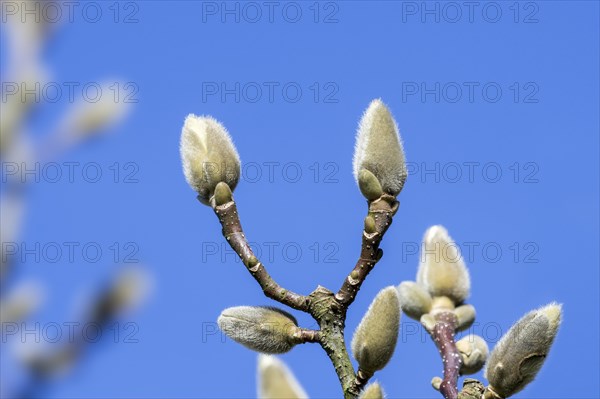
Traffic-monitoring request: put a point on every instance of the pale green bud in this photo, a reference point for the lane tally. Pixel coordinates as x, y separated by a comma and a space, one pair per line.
442, 269
375, 337
474, 352
379, 148
276, 381
262, 329
521, 352
414, 299
223, 194
465, 316
208, 156
372, 391
369, 185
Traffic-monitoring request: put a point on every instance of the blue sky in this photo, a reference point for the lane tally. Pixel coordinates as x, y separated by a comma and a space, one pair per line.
498, 110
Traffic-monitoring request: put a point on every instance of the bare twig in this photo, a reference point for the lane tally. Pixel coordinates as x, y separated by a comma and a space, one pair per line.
327, 309
304, 335
377, 222
232, 231
443, 336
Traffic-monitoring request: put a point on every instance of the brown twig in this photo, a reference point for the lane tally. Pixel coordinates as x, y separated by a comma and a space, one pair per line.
442, 334
232, 231
304, 335
327, 309
378, 221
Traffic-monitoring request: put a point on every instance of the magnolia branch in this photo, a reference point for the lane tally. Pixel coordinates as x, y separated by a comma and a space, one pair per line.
377, 222
442, 334
233, 233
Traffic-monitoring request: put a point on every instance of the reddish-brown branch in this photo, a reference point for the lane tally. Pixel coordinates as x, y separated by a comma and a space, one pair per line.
232, 231
443, 337
381, 211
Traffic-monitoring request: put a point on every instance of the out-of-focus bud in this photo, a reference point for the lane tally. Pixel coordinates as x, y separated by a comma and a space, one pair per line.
20, 303
128, 290
12, 209
262, 329
465, 316
521, 352
17, 102
414, 299
474, 352
375, 337
87, 118
442, 269
372, 391
379, 149
27, 34
50, 363
276, 381
208, 156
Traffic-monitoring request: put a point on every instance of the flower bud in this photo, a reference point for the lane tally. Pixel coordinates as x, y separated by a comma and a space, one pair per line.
520, 353
376, 336
465, 316
276, 381
379, 149
428, 321
87, 119
414, 299
208, 156
442, 269
372, 391
474, 352
369, 185
262, 329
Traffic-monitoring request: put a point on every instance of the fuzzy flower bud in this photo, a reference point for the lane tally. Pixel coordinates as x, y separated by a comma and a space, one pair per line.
474, 352
208, 156
442, 269
414, 299
465, 316
372, 391
276, 381
379, 148
521, 352
262, 329
375, 337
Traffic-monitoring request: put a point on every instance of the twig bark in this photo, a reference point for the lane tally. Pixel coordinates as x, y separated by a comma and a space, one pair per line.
442, 334
377, 222
327, 309
233, 233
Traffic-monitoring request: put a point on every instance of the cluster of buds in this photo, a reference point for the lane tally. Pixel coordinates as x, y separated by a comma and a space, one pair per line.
437, 298
442, 286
